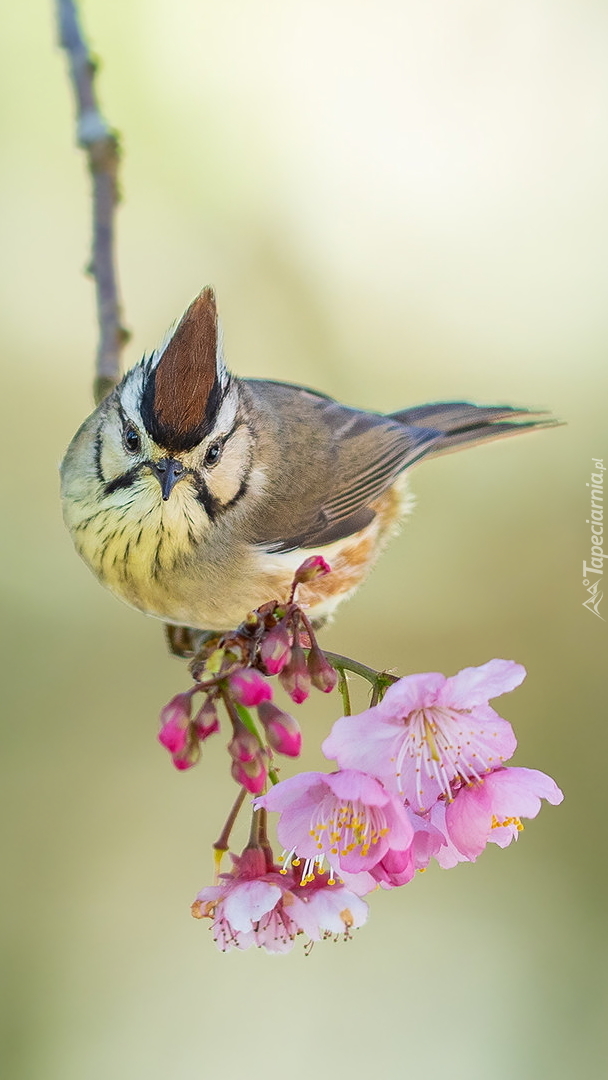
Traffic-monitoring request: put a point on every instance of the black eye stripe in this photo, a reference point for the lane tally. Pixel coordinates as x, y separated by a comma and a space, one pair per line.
210, 504
123, 481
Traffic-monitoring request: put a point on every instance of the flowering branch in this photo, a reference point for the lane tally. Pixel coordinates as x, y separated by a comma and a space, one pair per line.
420, 776
101, 146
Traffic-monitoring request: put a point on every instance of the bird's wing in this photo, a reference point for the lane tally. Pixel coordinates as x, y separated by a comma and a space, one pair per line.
329, 487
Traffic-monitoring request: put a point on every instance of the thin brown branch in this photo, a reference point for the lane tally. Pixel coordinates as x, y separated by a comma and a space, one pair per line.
100, 144
221, 844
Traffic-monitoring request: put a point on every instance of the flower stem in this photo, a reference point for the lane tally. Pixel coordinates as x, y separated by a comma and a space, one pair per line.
221, 844
343, 688
257, 826
344, 663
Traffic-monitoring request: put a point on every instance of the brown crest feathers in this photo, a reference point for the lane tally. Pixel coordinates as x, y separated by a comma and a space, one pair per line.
183, 391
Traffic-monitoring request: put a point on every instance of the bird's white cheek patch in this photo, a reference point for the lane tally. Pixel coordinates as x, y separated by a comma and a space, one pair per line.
225, 480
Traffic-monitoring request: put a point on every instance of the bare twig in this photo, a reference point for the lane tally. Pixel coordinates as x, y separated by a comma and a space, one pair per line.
100, 144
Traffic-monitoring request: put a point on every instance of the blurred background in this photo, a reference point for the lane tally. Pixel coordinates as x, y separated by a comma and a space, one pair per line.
396, 203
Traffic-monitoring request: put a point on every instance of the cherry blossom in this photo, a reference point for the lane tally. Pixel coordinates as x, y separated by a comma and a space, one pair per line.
257, 905
346, 817
430, 731
489, 810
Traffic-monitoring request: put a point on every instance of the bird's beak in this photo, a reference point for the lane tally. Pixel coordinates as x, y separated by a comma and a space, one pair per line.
167, 471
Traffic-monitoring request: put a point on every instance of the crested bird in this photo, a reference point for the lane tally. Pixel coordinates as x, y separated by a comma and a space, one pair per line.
193, 495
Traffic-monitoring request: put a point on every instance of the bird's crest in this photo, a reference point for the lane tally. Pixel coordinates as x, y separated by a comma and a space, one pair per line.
186, 379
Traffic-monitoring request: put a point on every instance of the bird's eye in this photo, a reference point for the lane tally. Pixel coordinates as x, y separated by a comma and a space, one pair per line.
132, 440
213, 453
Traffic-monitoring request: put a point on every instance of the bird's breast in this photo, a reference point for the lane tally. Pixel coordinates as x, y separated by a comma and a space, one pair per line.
163, 561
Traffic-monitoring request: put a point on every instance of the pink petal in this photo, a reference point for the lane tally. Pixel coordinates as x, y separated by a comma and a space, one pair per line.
411, 692
302, 914
248, 901
288, 791
364, 742
477, 685
448, 854
211, 893
336, 909
503, 794
517, 792
351, 785
469, 820
293, 828
359, 884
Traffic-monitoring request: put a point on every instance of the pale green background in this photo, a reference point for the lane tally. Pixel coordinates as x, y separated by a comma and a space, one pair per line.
397, 202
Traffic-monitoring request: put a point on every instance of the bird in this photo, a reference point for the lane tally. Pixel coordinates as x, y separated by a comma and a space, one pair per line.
194, 495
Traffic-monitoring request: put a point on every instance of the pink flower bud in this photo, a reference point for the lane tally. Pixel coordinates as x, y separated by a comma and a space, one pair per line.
189, 755
182, 763
174, 719
323, 676
250, 774
206, 721
249, 687
311, 568
244, 746
275, 649
294, 678
282, 731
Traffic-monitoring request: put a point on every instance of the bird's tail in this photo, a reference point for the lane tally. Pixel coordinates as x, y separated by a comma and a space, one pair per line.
462, 423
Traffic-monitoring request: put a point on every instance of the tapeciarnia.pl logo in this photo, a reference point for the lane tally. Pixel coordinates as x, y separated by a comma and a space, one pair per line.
596, 565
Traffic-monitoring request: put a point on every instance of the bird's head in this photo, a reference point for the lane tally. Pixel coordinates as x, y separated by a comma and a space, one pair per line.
169, 448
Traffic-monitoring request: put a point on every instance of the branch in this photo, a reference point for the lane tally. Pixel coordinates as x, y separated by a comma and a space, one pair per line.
100, 144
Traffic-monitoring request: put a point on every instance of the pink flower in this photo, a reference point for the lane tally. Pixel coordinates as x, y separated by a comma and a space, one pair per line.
347, 817
490, 810
256, 906
331, 909
249, 687
430, 732
251, 906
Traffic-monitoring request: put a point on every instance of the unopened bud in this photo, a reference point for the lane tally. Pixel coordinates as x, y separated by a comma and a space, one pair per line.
244, 746
323, 676
250, 774
206, 721
294, 678
275, 649
282, 730
249, 687
311, 568
174, 719
182, 762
